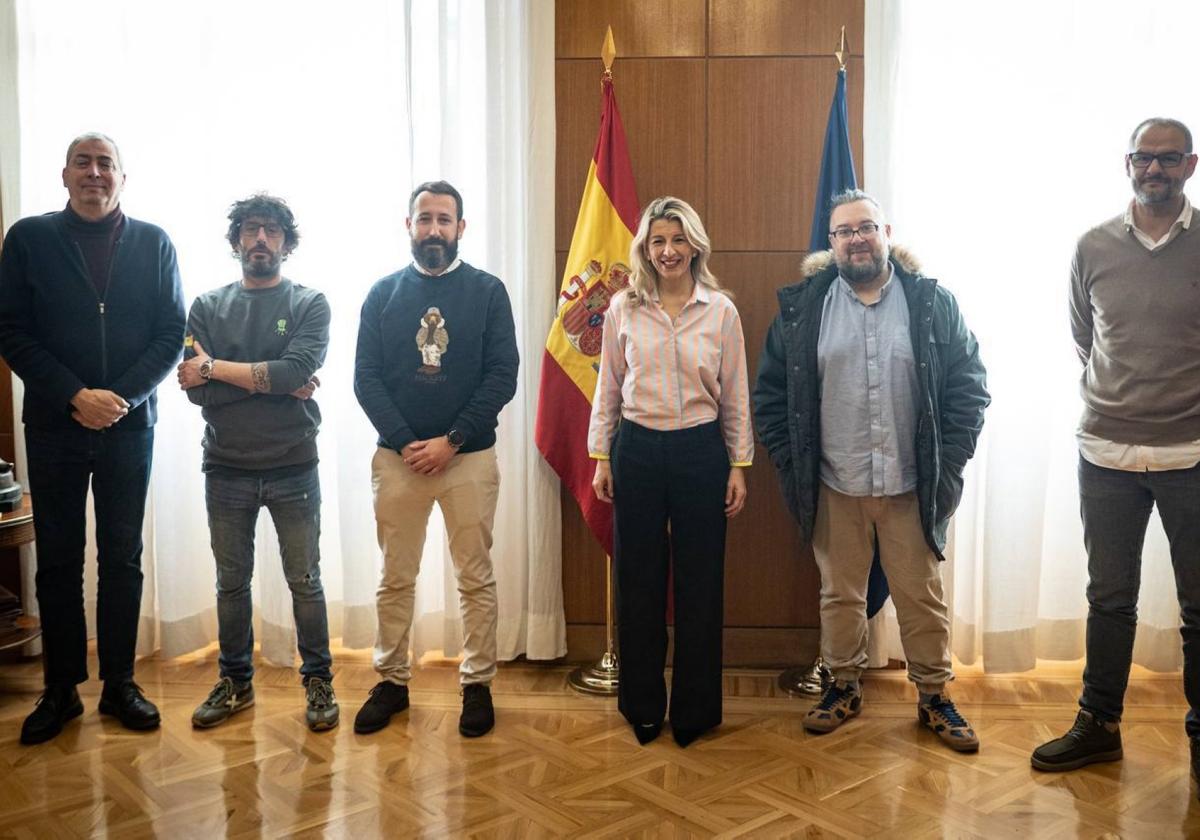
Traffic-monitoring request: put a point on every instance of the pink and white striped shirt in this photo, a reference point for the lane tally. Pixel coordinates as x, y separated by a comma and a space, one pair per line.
668, 376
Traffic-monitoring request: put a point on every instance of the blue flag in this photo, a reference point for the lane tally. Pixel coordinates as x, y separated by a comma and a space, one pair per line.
837, 175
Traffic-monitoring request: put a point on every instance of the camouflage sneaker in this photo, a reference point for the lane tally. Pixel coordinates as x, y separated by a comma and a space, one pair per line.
322, 712
225, 700
840, 702
940, 715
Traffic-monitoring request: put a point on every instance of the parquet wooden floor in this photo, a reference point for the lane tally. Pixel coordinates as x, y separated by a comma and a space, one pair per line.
559, 764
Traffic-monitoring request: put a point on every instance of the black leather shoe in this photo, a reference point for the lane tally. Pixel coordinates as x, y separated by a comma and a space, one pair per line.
57, 705
126, 703
646, 732
478, 716
683, 737
386, 699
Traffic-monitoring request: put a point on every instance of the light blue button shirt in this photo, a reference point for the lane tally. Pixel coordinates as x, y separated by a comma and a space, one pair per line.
868, 392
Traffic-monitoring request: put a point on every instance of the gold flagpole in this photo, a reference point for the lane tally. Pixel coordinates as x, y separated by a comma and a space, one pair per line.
603, 678
814, 679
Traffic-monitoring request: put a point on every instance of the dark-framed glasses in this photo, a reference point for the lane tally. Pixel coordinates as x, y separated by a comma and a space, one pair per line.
1167, 160
844, 234
251, 229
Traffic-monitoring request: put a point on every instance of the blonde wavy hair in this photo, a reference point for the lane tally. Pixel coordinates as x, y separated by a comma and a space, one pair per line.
643, 279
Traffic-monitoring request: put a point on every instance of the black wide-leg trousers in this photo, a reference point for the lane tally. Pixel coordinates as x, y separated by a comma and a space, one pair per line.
669, 509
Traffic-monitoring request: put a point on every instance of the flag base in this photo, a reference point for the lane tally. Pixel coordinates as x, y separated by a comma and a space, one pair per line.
600, 679
808, 682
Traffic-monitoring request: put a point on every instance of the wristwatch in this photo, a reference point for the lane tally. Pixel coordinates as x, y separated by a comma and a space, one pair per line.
206, 368
455, 438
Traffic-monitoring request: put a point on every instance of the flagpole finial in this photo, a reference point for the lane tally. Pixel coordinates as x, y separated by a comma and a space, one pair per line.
841, 53
608, 52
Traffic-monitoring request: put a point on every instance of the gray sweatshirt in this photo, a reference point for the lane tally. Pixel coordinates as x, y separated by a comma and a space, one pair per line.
286, 326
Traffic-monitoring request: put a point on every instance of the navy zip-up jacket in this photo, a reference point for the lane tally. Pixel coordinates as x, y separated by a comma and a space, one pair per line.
59, 336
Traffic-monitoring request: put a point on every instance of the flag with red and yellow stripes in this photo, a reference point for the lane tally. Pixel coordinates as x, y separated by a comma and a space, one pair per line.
596, 270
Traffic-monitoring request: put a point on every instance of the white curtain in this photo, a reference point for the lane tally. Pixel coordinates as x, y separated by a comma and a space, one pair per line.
340, 113
995, 137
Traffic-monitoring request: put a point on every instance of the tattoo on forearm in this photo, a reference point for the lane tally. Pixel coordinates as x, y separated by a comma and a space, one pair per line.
261, 376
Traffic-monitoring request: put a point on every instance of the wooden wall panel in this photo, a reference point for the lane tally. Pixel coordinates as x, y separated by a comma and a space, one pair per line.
770, 577
724, 104
766, 127
660, 28
662, 108
784, 27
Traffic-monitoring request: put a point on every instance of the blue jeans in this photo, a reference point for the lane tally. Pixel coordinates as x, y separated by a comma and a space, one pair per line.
294, 503
1116, 505
62, 463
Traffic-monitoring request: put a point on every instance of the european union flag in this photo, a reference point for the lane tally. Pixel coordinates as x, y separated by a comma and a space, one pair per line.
837, 175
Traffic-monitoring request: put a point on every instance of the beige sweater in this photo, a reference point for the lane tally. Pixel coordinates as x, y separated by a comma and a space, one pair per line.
1135, 315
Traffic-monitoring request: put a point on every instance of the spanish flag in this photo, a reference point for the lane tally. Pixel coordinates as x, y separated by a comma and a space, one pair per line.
596, 270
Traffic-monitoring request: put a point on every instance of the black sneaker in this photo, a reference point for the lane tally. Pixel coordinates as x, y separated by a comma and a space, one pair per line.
386, 699
478, 717
322, 710
126, 702
1089, 741
225, 700
57, 705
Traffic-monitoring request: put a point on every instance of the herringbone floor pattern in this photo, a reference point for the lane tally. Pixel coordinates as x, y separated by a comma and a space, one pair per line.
559, 764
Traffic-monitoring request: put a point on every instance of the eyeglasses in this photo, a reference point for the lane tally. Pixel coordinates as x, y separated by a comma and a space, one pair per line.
845, 234
251, 229
1167, 160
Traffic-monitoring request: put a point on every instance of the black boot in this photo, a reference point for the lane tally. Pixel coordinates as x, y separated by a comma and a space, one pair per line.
57, 705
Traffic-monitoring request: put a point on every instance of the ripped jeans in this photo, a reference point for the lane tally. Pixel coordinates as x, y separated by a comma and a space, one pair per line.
294, 502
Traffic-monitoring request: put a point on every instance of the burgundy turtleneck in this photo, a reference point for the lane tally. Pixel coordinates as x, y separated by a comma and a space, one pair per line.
96, 241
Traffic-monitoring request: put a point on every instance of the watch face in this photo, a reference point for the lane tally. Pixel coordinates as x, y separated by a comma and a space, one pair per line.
455, 437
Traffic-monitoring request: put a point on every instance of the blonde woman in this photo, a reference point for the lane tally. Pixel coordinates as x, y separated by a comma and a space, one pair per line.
670, 433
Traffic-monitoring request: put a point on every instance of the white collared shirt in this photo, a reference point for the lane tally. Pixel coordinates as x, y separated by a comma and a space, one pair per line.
457, 262
1181, 223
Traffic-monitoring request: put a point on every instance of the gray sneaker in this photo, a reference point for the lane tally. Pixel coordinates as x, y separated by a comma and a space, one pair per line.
322, 704
227, 698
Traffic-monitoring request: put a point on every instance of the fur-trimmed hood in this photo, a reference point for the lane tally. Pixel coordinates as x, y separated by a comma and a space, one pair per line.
818, 261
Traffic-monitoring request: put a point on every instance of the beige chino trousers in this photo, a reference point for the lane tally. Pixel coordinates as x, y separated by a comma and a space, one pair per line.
466, 491
843, 536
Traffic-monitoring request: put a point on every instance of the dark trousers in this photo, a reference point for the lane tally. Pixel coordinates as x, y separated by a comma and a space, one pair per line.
674, 479
1116, 505
294, 503
61, 465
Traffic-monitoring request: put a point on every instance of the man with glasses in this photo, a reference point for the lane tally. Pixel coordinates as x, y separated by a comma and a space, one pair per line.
870, 398
1135, 316
253, 349
91, 316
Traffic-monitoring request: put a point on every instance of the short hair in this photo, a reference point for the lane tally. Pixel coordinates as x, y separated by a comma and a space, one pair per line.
1162, 122
95, 135
437, 188
853, 196
643, 279
267, 207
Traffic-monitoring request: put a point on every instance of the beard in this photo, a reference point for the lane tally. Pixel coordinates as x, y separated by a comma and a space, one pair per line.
1159, 196
863, 272
267, 268
433, 253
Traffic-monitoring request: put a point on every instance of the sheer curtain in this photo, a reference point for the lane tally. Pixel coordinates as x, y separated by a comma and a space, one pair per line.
994, 137
340, 114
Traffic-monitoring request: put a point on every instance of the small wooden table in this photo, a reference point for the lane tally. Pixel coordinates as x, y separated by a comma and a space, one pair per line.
16, 529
